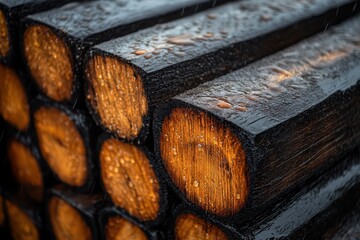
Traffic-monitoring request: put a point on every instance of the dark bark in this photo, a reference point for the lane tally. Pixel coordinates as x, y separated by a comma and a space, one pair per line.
295, 128
214, 43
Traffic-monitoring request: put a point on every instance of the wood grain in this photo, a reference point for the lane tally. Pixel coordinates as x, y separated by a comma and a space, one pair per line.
120, 228
298, 114
173, 57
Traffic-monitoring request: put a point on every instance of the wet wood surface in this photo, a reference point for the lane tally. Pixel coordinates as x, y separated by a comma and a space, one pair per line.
294, 113
13, 11
80, 25
171, 58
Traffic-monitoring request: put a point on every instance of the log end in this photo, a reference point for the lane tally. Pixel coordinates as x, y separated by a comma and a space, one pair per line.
116, 94
14, 107
49, 60
21, 225
4, 36
120, 228
188, 226
61, 145
130, 179
25, 169
203, 156
66, 221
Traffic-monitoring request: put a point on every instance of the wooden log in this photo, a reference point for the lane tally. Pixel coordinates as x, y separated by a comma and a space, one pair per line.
27, 167
127, 77
310, 211
186, 223
24, 218
72, 215
11, 12
114, 224
14, 106
65, 141
55, 42
132, 179
256, 133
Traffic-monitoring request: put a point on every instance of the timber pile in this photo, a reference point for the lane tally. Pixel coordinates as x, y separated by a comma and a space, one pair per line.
189, 119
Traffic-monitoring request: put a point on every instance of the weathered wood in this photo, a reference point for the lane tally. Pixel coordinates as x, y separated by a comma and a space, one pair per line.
55, 42
187, 223
11, 12
256, 133
27, 167
114, 224
310, 211
72, 215
14, 105
66, 142
24, 218
128, 76
133, 180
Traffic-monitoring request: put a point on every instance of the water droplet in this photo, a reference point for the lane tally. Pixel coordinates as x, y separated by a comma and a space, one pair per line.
140, 52
223, 104
238, 196
211, 16
196, 184
184, 39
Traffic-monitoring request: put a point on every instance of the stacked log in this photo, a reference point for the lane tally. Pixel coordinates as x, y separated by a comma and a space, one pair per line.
119, 120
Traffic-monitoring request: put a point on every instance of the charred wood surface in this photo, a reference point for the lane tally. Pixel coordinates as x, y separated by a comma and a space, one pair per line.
127, 77
254, 134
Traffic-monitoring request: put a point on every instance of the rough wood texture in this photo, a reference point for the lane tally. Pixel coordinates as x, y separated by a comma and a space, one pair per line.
11, 12
14, 106
27, 166
24, 218
56, 65
114, 224
71, 214
65, 143
293, 113
171, 58
133, 180
308, 213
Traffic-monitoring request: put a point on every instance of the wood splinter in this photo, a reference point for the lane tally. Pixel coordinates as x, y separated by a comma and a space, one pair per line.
14, 107
126, 78
131, 177
255, 134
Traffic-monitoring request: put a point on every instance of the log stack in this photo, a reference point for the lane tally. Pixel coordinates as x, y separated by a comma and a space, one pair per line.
179, 120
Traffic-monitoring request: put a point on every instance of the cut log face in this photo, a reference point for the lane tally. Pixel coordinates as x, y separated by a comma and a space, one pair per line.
120, 228
21, 225
293, 113
25, 169
14, 107
50, 62
192, 137
130, 180
55, 41
118, 95
66, 221
189, 226
61, 145
173, 57
4, 36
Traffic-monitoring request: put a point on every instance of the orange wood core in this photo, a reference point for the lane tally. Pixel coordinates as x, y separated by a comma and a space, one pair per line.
61, 145
4, 36
129, 179
50, 62
190, 227
117, 95
14, 107
66, 221
25, 169
2, 213
205, 160
21, 225
119, 228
